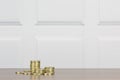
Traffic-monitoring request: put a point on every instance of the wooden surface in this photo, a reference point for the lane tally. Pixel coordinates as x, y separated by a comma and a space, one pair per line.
65, 74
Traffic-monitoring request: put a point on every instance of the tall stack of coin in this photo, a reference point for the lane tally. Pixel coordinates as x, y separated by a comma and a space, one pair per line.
35, 67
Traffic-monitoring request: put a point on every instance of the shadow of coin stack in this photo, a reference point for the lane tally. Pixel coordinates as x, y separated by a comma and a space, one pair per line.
36, 70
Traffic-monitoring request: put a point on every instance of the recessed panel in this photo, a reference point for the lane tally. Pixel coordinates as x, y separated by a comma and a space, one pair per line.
110, 12
60, 11
109, 52
9, 12
10, 53
61, 53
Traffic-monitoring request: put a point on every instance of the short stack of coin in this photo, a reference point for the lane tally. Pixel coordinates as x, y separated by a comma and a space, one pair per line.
49, 71
36, 70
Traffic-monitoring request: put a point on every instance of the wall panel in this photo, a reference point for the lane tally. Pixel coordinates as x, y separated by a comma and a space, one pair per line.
109, 12
60, 11
10, 52
9, 12
109, 52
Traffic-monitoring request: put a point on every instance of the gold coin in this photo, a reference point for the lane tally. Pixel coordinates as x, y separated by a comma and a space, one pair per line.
18, 72
34, 65
36, 70
35, 61
42, 72
36, 74
25, 73
49, 69
50, 74
45, 74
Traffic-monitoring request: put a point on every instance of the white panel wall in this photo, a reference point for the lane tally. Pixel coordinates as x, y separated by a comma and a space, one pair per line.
89, 45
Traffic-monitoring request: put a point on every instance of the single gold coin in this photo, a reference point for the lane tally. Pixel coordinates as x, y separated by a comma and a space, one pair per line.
35, 61
36, 74
18, 72
25, 73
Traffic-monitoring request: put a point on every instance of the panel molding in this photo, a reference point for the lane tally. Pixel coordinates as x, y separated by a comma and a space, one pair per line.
56, 39
53, 22
106, 22
7, 23
10, 38
109, 23
60, 23
10, 12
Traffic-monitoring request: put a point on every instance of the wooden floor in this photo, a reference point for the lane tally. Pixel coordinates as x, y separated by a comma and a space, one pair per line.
65, 74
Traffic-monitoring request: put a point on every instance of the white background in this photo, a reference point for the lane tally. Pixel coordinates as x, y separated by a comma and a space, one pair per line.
60, 33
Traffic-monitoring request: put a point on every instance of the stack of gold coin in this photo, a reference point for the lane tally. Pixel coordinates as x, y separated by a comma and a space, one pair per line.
49, 71
35, 70
35, 67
